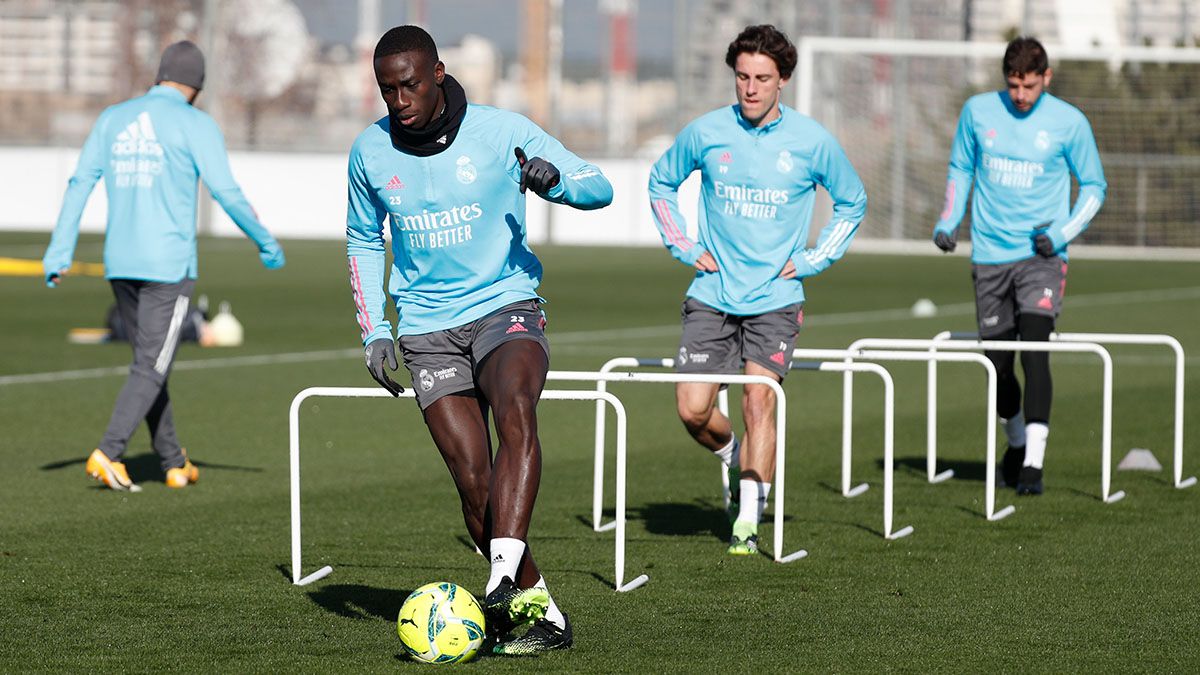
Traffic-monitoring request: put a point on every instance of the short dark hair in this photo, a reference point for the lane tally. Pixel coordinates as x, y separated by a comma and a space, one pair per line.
1025, 55
406, 39
764, 39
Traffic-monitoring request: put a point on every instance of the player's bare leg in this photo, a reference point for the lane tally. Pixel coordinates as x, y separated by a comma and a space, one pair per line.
458, 425
511, 380
758, 460
696, 404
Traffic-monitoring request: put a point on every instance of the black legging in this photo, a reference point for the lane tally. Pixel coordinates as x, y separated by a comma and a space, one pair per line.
1038, 387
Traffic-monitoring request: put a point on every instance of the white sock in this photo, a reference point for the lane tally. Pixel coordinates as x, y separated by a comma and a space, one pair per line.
506, 558
553, 614
729, 453
1035, 444
1014, 428
751, 510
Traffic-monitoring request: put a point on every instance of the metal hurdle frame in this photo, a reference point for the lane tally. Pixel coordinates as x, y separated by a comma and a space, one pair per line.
632, 362
375, 392
847, 411
932, 348
889, 435
1098, 338
828, 366
780, 431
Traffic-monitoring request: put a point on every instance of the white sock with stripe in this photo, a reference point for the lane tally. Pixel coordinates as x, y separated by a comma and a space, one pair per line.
1035, 444
729, 453
553, 614
506, 558
751, 510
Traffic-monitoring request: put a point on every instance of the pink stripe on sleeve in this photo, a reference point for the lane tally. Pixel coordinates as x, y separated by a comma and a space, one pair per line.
364, 319
951, 191
674, 234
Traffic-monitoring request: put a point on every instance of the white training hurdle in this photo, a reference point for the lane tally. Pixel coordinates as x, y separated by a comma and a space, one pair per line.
828, 366
889, 435
376, 392
631, 362
780, 431
932, 348
850, 355
1148, 339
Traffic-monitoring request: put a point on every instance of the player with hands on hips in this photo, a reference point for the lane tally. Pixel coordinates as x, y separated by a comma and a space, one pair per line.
761, 164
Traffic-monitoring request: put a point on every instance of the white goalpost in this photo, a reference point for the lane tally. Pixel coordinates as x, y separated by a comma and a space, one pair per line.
894, 105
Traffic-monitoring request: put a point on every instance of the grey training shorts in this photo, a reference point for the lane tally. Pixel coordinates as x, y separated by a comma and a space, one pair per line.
716, 342
1031, 286
443, 362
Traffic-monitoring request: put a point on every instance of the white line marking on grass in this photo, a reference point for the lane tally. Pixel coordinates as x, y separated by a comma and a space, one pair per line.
586, 337
196, 364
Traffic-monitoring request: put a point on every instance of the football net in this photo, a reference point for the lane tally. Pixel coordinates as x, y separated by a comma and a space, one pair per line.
894, 105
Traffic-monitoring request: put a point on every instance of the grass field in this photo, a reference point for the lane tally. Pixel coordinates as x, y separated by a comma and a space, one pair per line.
198, 580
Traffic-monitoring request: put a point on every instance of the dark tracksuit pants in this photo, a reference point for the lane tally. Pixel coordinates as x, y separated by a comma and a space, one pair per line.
153, 314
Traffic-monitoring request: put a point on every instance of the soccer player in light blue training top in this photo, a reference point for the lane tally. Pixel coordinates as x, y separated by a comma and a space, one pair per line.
1019, 149
451, 178
150, 150
760, 163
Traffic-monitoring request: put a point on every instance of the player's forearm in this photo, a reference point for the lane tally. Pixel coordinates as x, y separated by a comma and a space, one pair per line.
584, 188
672, 228
831, 246
1087, 205
66, 229
235, 204
958, 190
366, 286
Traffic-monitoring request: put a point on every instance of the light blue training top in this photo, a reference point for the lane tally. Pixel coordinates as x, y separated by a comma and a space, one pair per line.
457, 221
757, 190
1021, 165
150, 150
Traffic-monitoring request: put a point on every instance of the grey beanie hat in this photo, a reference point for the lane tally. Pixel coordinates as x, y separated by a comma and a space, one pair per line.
182, 62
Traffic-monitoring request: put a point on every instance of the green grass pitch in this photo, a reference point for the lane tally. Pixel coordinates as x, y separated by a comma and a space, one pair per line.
199, 580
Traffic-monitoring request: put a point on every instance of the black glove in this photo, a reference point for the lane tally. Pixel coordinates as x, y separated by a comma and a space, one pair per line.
536, 174
1044, 246
378, 352
947, 241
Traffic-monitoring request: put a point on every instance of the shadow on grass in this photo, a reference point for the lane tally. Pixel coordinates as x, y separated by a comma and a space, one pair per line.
964, 469
147, 467
355, 601
62, 464
227, 467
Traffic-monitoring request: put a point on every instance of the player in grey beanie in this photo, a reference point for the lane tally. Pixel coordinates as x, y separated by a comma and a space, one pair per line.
182, 62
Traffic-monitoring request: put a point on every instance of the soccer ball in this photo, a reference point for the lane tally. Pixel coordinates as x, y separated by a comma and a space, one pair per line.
441, 623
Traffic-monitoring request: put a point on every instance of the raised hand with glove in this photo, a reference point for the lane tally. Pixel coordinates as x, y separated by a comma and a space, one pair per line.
537, 174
